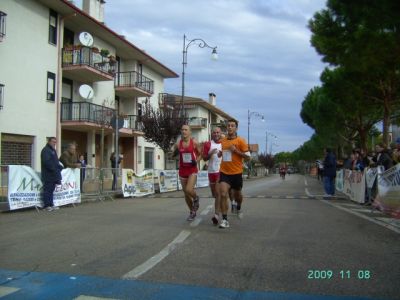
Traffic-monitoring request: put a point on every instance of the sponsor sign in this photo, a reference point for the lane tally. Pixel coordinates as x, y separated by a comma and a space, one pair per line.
136, 185
339, 181
168, 180
202, 179
388, 197
25, 188
354, 185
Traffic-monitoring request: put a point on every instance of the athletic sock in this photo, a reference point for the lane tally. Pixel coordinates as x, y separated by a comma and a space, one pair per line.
224, 217
238, 207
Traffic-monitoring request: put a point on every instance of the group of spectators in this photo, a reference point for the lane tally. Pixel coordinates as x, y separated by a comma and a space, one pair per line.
359, 160
383, 156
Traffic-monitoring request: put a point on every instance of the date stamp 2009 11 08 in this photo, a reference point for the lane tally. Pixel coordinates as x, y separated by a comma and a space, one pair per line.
341, 274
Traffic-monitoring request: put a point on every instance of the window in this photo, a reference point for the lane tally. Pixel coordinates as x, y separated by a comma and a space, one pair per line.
139, 155
53, 27
2, 25
149, 158
66, 90
51, 86
1, 95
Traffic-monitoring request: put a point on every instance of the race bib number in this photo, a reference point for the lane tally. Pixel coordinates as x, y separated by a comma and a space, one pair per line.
226, 155
187, 157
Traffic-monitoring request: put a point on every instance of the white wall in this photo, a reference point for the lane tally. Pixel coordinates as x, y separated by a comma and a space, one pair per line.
25, 58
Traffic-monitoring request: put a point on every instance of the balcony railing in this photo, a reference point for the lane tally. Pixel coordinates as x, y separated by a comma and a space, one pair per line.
134, 79
2, 25
132, 122
86, 112
197, 122
97, 114
86, 56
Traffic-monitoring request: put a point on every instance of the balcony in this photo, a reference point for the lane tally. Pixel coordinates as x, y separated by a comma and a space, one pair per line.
83, 64
197, 123
2, 25
133, 84
86, 116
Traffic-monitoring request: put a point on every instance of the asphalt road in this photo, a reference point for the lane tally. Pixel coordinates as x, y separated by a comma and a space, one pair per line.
289, 244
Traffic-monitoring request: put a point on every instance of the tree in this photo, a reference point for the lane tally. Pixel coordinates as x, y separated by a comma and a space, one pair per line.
267, 160
162, 125
363, 37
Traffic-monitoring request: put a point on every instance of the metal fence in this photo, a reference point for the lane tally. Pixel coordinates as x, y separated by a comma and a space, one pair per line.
3, 183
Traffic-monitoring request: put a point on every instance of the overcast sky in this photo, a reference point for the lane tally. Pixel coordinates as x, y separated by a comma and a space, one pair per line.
265, 61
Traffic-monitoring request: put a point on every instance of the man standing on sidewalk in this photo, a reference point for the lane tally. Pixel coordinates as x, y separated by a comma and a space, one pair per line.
234, 150
51, 173
329, 173
212, 152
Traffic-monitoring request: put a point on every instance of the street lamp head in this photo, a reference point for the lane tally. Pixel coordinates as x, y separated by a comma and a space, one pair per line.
214, 54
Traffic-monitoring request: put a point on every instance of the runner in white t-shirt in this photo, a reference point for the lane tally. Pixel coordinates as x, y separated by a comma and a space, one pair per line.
212, 152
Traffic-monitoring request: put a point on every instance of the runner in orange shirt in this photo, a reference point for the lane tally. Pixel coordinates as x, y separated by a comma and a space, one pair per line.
234, 150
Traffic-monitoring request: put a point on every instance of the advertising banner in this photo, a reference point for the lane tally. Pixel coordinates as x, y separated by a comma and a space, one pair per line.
370, 176
354, 185
339, 181
168, 180
202, 179
25, 188
388, 197
136, 185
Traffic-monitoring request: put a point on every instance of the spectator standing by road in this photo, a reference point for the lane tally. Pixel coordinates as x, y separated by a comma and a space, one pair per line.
68, 157
382, 157
357, 163
329, 173
234, 150
82, 161
114, 164
396, 152
51, 173
189, 153
212, 152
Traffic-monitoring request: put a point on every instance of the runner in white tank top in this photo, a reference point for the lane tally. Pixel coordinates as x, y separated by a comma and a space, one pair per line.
212, 152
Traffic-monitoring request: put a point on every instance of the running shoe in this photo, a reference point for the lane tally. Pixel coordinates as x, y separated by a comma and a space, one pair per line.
224, 224
196, 203
48, 208
214, 219
191, 216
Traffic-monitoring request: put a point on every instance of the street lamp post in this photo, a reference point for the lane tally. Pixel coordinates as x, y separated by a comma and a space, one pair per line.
249, 114
266, 140
186, 43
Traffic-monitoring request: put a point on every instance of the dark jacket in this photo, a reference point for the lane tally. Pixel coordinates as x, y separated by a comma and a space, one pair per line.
68, 160
51, 168
383, 159
330, 165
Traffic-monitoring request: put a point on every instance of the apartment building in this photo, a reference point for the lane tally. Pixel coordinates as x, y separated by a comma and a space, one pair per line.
64, 73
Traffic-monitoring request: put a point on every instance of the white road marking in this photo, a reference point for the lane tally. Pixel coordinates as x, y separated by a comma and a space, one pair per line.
308, 193
5, 290
305, 181
151, 262
373, 220
196, 222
